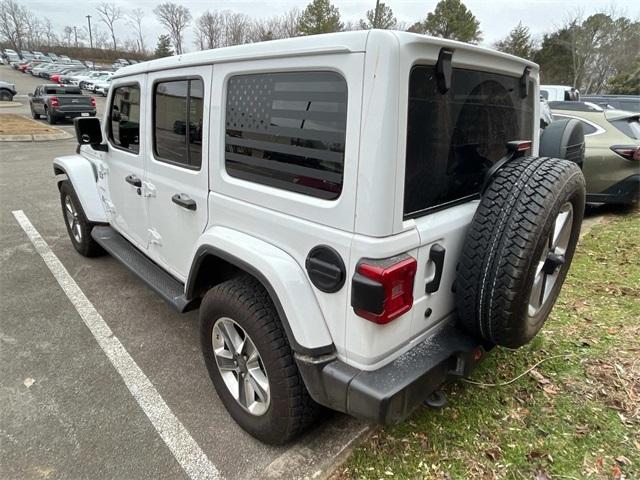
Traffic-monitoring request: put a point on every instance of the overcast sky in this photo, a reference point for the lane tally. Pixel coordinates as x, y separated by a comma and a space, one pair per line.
496, 17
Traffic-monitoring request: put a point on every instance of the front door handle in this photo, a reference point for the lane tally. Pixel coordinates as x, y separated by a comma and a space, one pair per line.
184, 201
133, 180
436, 255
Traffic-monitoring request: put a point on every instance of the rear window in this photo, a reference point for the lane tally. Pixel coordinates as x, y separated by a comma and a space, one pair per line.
629, 126
62, 91
287, 130
454, 138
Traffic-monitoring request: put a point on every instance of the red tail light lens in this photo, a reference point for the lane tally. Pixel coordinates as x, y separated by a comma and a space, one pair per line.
54, 102
630, 152
93, 102
383, 290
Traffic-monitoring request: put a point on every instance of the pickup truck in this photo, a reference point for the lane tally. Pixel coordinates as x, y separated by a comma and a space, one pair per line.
58, 102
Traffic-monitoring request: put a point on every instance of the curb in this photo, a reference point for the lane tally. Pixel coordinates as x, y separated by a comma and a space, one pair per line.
12, 104
36, 137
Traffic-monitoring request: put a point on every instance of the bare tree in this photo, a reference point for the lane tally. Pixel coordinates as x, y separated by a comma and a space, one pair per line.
67, 36
135, 20
284, 26
48, 33
109, 14
100, 38
209, 30
237, 28
13, 23
175, 18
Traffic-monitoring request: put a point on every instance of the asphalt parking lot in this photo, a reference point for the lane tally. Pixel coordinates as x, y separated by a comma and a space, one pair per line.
65, 411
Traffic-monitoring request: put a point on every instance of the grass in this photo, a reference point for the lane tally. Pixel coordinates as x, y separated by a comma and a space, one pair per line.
573, 417
14, 124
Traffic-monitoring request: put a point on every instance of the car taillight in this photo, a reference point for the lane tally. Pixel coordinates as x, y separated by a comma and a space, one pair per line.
382, 290
54, 102
630, 152
93, 102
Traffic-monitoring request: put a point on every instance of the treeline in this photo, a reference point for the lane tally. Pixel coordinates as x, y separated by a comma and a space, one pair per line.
595, 54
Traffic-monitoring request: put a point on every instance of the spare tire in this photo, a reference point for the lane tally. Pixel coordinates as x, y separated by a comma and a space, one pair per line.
519, 248
563, 138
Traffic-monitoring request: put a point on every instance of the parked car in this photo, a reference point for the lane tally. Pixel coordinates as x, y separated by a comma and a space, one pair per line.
354, 238
101, 86
69, 77
630, 103
559, 93
7, 91
612, 158
91, 84
85, 80
59, 102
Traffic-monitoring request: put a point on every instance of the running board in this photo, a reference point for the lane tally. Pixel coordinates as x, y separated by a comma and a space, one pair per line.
170, 289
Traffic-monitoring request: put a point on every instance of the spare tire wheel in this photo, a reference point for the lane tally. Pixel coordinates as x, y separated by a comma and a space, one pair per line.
519, 248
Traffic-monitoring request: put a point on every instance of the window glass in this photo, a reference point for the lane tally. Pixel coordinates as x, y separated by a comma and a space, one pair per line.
287, 130
588, 128
178, 122
124, 118
454, 138
629, 126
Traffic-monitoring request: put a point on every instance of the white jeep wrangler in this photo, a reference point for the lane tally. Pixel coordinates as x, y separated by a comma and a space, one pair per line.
358, 216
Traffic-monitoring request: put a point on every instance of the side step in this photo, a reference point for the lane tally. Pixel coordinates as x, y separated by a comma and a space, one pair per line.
154, 276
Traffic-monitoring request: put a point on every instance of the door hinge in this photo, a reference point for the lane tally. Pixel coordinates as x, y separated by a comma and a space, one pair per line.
148, 189
154, 237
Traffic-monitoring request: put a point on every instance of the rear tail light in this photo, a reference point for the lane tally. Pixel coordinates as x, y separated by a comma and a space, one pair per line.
630, 152
93, 102
54, 102
382, 290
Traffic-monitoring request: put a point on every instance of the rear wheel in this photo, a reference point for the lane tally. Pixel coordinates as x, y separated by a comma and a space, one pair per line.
519, 248
51, 119
78, 227
250, 362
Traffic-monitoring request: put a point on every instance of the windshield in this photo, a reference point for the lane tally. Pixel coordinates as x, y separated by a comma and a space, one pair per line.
455, 137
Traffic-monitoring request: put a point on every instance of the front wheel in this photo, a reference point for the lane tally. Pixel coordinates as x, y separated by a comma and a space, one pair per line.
250, 362
34, 115
5, 96
78, 227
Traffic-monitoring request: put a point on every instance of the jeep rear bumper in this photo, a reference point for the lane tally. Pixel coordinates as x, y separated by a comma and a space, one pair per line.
391, 393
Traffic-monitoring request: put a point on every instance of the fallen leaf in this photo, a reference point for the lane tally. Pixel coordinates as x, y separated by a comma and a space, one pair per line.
28, 382
622, 460
616, 472
541, 379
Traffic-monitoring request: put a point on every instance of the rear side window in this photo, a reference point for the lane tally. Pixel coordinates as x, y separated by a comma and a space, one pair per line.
287, 130
177, 122
587, 128
454, 138
124, 118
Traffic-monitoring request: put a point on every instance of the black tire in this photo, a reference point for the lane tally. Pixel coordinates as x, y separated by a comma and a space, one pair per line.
85, 245
51, 119
34, 115
5, 96
291, 410
507, 242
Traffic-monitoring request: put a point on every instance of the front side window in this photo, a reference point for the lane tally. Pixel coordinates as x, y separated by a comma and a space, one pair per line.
124, 118
455, 137
178, 122
287, 130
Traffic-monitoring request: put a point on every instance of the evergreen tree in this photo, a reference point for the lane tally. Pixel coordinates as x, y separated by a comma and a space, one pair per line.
518, 43
320, 16
163, 48
383, 18
452, 20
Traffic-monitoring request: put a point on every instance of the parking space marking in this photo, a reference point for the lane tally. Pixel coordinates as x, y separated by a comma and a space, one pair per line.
183, 447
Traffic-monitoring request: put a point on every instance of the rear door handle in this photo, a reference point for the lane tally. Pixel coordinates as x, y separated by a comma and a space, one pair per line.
184, 201
133, 180
436, 255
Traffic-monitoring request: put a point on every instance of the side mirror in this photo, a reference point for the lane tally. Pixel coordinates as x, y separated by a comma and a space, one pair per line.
89, 132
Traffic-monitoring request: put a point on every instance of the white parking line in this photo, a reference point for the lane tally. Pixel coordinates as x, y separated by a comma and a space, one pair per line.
184, 448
